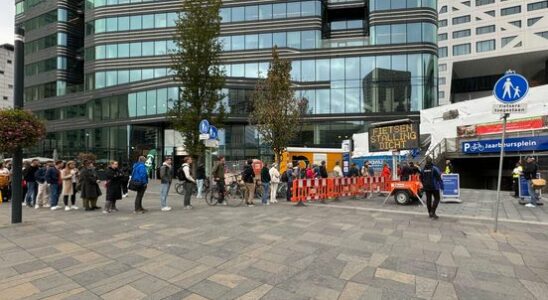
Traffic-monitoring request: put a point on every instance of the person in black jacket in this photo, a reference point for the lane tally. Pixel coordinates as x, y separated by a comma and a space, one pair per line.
431, 184
32, 187
323, 170
53, 178
265, 179
530, 173
89, 186
114, 184
42, 196
249, 180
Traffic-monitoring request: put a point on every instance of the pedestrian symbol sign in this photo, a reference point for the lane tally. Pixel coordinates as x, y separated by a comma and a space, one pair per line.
511, 88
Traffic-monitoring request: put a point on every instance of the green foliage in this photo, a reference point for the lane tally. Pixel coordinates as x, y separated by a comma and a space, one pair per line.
19, 128
276, 112
197, 68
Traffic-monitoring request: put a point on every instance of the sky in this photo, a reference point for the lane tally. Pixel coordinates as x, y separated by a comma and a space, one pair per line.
7, 16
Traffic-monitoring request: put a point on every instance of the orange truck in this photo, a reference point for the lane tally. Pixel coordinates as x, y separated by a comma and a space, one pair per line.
312, 155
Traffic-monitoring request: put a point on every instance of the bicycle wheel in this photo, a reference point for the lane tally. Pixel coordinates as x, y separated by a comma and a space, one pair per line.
282, 191
234, 196
179, 188
259, 191
211, 198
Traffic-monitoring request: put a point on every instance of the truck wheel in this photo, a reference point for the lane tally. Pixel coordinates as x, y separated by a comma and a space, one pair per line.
402, 197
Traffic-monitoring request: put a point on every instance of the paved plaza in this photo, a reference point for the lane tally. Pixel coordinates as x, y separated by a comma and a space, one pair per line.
352, 249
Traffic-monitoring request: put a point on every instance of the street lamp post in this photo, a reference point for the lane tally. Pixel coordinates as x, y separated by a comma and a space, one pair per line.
17, 160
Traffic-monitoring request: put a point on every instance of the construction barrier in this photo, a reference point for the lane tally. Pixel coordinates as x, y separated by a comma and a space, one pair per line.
332, 188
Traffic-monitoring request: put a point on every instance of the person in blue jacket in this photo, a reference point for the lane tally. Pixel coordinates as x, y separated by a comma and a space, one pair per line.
140, 177
431, 184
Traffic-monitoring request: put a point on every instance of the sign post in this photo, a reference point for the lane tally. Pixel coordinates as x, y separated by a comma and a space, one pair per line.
451, 188
509, 89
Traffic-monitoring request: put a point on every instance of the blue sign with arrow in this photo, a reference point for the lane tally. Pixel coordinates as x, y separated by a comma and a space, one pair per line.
213, 133
511, 88
204, 127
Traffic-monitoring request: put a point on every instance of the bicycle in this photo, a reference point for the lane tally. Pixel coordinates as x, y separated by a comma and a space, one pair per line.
179, 188
233, 195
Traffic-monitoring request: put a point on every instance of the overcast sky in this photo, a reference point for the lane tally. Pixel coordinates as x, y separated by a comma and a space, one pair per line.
7, 15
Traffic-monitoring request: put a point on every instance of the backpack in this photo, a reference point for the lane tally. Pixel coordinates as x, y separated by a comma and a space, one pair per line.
4, 181
181, 173
285, 178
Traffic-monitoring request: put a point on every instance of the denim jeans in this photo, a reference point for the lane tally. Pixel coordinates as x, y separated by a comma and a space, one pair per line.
200, 184
54, 191
30, 197
532, 193
163, 194
266, 192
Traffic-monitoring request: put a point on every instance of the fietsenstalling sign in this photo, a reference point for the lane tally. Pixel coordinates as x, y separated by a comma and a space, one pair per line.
532, 143
394, 137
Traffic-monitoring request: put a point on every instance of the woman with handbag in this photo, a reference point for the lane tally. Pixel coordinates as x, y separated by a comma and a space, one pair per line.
114, 187
138, 183
89, 186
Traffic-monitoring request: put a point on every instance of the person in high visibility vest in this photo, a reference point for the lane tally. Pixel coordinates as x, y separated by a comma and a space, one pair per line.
516, 173
448, 167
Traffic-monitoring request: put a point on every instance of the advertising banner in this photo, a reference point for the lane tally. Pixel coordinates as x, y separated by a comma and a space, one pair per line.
451, 185
495, 128
531, 143
394, 137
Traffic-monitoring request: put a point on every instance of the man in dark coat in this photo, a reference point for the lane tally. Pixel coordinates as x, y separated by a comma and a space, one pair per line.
89, 186
115, 179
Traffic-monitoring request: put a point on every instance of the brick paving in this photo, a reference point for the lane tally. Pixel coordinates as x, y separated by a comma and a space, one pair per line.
355, 249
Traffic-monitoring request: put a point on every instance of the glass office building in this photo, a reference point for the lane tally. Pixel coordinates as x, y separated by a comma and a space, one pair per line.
99, 71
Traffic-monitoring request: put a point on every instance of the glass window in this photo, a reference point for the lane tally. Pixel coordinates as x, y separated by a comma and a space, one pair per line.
225, 15
323, 70
160, 48
442, 52
135, 75
112, 24
352, 68
462, 49
308, 39
123, 76
151, 102
485, 46
61, 39
293, 9
62, 15
100, 52
171, 46
160, 72
172, 19
238, 14
485, 29
461, 33
148, 21
160, 20
429, 33
510, 10
238, 42
294, 39
111, 78
279, 10
100, 25
251, 41
461, 20
123, 23
263, 69
308, 8
161, 101
323, 101
135, 22
265, 12
148, 49
337, 69
141, 104
398, 33
123, 50
251, 70
381, 34
225, 43
296, 70
414, 33
112, 51
238, 70
265, 40
280, 39
147, 74
251, 13
309, 68
135, 50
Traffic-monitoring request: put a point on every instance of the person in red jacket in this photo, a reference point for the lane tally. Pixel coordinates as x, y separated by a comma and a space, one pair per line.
386, 172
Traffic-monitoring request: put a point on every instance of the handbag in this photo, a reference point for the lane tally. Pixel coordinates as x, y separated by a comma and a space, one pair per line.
538, 183
135, 186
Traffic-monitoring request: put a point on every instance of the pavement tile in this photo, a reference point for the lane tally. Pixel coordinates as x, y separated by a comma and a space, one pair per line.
20, 291
209, 289
125, 292
30, 266
257, 293
395, 276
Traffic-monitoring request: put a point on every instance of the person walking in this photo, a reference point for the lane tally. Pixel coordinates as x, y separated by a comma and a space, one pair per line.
189, 182
114, 184
516, 173
139, 177
166, 176
89, 186
53, 178
265, 179
337, 170
42, 196
432, 184
32, 187
274, 182
530, 173
249, 180
218, 175
5, 180
200, 177
69, 177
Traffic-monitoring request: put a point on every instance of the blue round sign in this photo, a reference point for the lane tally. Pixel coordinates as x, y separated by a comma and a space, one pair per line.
213, 133
511, 88
204, 127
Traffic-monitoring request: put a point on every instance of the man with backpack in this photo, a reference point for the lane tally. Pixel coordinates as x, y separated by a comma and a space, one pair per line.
432, 184
189, 181
249, 180
166, 176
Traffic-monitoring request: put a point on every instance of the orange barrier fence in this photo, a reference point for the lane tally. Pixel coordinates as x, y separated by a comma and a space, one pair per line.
332, 188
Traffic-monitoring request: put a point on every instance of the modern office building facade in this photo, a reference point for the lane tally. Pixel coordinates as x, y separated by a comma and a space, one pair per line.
481, 39
100, 74
6, 76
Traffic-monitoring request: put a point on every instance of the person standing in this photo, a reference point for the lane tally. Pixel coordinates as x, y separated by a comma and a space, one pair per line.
432, 184
166, 176
249, 180
337, 170
310, 174
353, 172
139, 176
530, 173
200, 177
42, 197
30, 178
68, 175
5, 180
448, 167
516, 173
53, 178
405, 171
274, 182
386, 172
289, 179
414, 169
89, 186
265, 179
125, 180
189, 182
114, 185
218, 175
323, 170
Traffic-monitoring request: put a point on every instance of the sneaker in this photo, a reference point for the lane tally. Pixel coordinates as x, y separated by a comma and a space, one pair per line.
167, 208
74, 207
124, 196
114, 209
224, 203
47, 206
67, 208
54, 208
106, 212
24, 204
435, 217
188, 207
530, 205
251, 205
36, 206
